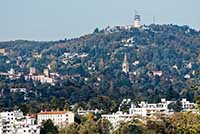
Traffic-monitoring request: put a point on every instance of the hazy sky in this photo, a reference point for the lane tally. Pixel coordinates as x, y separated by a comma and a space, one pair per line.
59, 19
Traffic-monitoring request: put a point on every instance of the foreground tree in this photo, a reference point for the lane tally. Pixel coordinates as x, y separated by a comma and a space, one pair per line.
48, 128
71, 129
89, 127
176, 106
104, 126
186, 123
129, 128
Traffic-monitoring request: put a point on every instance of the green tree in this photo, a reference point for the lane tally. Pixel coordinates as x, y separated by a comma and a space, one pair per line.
104, 126
63, 104
186, 123
96, 30
48, 128
176, 106
129, 128
53, 66
54, 103
71, 129
89, 127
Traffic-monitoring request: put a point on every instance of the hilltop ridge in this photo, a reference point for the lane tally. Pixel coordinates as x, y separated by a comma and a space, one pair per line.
163, 62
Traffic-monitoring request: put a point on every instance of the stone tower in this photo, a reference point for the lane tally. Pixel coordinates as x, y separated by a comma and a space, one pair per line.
125, 67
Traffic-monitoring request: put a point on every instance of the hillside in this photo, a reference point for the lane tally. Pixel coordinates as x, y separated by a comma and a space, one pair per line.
163, 62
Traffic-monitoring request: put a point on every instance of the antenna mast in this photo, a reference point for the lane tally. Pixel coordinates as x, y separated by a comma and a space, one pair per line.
154, 20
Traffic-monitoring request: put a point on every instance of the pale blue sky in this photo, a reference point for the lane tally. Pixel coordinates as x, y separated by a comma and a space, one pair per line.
59, 19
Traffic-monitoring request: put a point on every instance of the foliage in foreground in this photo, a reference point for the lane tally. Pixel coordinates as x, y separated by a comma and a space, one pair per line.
48, 128
179, 123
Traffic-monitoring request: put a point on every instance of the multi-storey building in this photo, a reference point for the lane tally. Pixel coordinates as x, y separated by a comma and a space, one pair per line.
144, 109
148, 109
117, 118
15, 122
59, 118
83, 112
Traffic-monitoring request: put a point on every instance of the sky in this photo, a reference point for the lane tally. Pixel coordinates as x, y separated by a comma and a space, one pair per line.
46, 20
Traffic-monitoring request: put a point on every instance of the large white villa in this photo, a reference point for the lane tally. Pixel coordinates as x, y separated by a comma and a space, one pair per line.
145, 109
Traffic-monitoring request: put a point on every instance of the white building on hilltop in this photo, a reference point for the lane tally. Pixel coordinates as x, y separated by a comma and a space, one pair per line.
137, 20
59, 118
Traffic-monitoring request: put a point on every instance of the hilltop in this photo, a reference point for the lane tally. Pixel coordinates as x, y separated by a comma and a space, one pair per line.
163, 62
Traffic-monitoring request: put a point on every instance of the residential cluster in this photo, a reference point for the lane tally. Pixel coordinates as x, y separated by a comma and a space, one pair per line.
46, 77
145, 109
14, 122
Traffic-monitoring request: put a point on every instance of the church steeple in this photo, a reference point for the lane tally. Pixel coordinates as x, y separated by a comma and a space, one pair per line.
125, 66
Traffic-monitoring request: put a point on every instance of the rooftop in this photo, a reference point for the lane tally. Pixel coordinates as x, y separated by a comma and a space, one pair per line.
52, 112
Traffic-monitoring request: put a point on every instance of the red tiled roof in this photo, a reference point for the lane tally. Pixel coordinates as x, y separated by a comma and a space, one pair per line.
32, 115
52, 112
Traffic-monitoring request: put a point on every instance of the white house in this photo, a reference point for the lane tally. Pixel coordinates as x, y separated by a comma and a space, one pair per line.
118, 117
144, 109
186, 104
148, 109
83, 112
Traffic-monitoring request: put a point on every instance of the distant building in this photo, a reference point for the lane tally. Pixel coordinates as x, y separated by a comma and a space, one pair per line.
136, 62
11, 72
32, 71
46, 72
157, 73
2, 51
186, 104
29, 129
187, 76
148, 109
14, 122
47, 80
137, 20
118, 117
80, 111
18, 90
37, 56
59, 118
125, 66
145, 109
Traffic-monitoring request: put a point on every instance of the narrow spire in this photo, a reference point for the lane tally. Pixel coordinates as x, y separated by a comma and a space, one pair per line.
125, 66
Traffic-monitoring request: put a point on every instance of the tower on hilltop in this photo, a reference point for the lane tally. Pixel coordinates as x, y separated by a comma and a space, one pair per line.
137, 20
125, 66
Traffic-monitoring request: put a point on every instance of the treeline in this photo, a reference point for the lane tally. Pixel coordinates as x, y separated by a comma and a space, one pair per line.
179, 123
